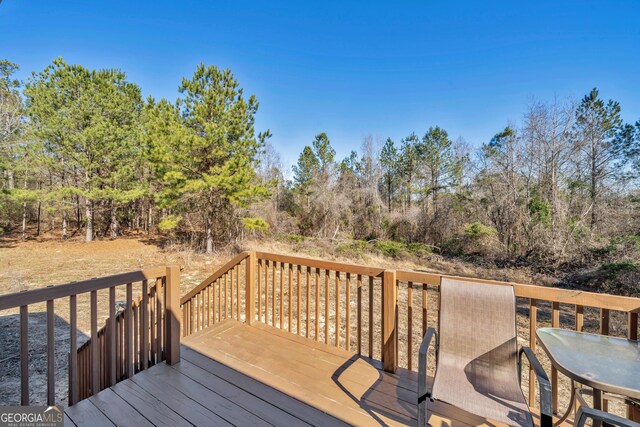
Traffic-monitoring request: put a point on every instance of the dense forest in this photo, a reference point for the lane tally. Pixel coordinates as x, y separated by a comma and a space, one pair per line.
83, 154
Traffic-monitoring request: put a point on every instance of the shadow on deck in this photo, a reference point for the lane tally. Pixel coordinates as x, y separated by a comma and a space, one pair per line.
235, 374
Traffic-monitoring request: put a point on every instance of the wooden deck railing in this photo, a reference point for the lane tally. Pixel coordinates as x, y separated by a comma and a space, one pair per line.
220, 296
376, 312
111, 354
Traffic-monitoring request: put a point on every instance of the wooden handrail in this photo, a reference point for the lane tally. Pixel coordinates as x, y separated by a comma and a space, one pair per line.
559, 295
215, 276
324, 265
35, 296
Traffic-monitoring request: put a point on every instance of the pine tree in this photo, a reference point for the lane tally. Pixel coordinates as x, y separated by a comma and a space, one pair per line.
389, 162
599, 128
87, 120
305, 174
207, 149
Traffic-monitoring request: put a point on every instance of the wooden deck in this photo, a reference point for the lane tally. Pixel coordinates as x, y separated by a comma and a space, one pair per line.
235, 374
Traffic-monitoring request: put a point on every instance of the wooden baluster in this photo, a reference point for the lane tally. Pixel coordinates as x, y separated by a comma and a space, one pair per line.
633, 413
136, 337
259, 290
208, 305
604, 330
51, 374
219, 283
187, 317
308, 303
238, 292
95, 368
144, 325
128, 321
201, 309
348, 313
555, 322
424, 308
282, 295
317, 318
327, 276
119, 357
184, 317
632, 326
152, 325
172, 326
226, 295
250, 305
266, 292
409, 323
533, 320
228, 278
370, 316
159, 308
337, 309
290, 278
111, 333
359, 309
579, 318
298, 271
389, 321
73, 350
233, 291
214, 310
274, 268
193, 313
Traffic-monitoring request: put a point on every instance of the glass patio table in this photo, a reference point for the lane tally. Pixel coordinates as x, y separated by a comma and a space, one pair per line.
604, 363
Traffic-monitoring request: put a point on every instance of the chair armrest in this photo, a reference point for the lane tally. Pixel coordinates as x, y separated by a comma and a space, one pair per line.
423, 393
546, 410
585, 412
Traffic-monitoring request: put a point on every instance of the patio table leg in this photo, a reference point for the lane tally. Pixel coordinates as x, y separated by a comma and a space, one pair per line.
571, 402
597, 404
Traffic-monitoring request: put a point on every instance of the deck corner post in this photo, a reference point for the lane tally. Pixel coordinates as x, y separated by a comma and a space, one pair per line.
249, 288
389, 321
172, 315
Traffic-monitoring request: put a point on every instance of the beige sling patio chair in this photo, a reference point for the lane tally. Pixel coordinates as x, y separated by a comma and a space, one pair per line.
477, 362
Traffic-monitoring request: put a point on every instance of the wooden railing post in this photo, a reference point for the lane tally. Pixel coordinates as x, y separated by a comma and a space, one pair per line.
250, 278
389, 321
172, 315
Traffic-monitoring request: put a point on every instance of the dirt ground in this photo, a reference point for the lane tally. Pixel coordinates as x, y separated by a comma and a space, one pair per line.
38, 263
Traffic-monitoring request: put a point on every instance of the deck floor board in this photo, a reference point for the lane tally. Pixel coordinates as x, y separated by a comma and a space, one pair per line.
235, 374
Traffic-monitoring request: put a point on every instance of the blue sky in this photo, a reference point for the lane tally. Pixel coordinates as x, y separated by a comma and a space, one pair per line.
385, 68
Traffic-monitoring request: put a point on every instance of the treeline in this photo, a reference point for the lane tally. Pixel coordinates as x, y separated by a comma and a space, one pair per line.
84, 153
559, 187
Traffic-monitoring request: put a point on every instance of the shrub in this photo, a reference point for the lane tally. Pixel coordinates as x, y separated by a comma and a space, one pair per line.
354, 248
296, 238
390, 248
169, 223
418, 249
478, 230
255, 224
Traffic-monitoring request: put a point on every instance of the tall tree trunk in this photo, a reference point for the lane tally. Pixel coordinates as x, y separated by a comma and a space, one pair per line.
24, 221
88, 210
593, 186
64, 225
114, 221
10, 179
78, 214
39, 218
149, 217
209, 233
